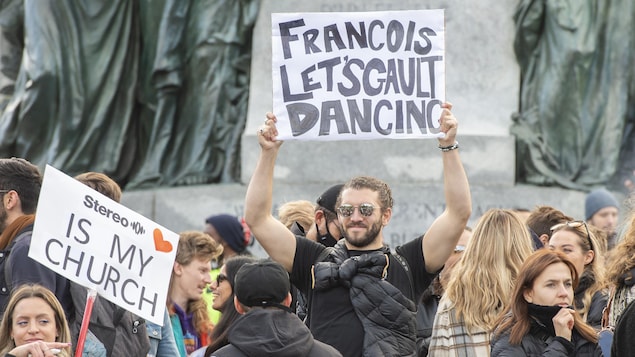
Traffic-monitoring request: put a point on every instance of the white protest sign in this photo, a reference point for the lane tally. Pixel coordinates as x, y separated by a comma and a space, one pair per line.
351, 76
98, 243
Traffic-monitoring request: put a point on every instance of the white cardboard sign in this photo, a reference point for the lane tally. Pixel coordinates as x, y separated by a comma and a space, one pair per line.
98, 243
352, 76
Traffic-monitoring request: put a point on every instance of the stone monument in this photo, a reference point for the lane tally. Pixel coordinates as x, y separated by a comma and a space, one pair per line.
482, 79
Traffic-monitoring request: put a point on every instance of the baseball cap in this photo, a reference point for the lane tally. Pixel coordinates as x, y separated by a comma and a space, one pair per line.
263, 283
329, 197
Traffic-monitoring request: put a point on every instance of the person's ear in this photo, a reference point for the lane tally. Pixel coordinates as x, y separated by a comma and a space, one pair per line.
318, 216
11, 200
588, 257
287, 300
528, 295
544, 238
178, 269
386, 215
238, 306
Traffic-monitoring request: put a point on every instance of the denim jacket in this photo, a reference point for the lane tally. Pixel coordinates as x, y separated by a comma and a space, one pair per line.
162, 343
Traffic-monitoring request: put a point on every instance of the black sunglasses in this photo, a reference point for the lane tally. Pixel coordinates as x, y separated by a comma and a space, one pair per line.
220, 278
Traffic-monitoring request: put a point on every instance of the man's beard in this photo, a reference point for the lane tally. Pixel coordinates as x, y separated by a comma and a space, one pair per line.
366, 240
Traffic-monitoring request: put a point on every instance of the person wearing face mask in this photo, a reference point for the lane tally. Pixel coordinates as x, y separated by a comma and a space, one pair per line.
540, 319
326, 229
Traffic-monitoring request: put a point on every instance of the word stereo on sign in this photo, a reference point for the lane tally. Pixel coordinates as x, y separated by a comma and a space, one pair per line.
352, 76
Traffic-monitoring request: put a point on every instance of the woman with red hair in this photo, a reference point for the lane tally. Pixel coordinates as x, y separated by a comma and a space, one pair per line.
541, 317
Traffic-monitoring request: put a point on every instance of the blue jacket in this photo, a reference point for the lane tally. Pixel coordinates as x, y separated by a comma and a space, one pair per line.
17, 267
162, 343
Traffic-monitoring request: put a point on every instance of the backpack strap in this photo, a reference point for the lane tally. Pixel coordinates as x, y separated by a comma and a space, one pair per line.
308, 299
406, 268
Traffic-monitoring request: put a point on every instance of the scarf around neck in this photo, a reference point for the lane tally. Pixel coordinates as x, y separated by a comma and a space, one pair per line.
14, 228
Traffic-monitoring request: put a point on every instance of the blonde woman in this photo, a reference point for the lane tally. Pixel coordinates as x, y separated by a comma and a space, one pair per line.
34, 324
297, 214
480, 286
621, 272
579, 244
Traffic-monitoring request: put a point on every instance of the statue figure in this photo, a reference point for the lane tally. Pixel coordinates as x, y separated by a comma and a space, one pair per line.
576, 60
151, 93
201, 76
72, 103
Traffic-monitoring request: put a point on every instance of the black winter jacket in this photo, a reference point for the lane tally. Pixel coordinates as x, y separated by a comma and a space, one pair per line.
538, 343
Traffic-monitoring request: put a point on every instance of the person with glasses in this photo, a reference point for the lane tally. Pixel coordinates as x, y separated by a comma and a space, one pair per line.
360, 273
20, 184
227, 231
190, 276
481, 285
223, 290
579, 244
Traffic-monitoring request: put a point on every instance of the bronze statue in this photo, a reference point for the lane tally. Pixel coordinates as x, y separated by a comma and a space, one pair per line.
576, 60
148, 92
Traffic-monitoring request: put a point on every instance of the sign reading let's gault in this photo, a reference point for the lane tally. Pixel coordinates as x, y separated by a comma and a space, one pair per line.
100, 244
349, 76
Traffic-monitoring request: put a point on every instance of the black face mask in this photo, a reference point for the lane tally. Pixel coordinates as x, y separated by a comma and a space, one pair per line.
544, 315
327, 239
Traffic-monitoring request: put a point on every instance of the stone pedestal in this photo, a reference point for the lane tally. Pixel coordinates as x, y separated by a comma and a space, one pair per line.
482, 82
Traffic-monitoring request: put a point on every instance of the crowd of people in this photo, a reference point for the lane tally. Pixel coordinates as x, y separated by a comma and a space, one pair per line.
513, 285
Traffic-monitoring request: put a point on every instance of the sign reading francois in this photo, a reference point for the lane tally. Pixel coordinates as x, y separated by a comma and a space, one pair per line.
98, 243
340, 76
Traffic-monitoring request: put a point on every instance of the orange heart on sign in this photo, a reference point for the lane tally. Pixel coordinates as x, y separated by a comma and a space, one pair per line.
160, 244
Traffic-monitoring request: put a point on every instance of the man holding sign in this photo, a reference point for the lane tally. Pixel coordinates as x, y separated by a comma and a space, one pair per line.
375, 75
362, 265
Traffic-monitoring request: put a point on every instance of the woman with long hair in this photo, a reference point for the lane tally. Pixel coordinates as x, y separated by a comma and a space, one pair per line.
540, 317
34, 324
580, 245
224, 300
480, 285
621, 272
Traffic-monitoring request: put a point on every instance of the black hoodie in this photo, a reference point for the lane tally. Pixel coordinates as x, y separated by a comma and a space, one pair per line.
272, 332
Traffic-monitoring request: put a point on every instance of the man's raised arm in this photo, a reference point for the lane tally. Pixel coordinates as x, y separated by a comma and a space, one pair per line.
274, 237
441, 238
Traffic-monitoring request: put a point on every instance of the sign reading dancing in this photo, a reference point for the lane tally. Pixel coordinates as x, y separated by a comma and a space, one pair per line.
350, 76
